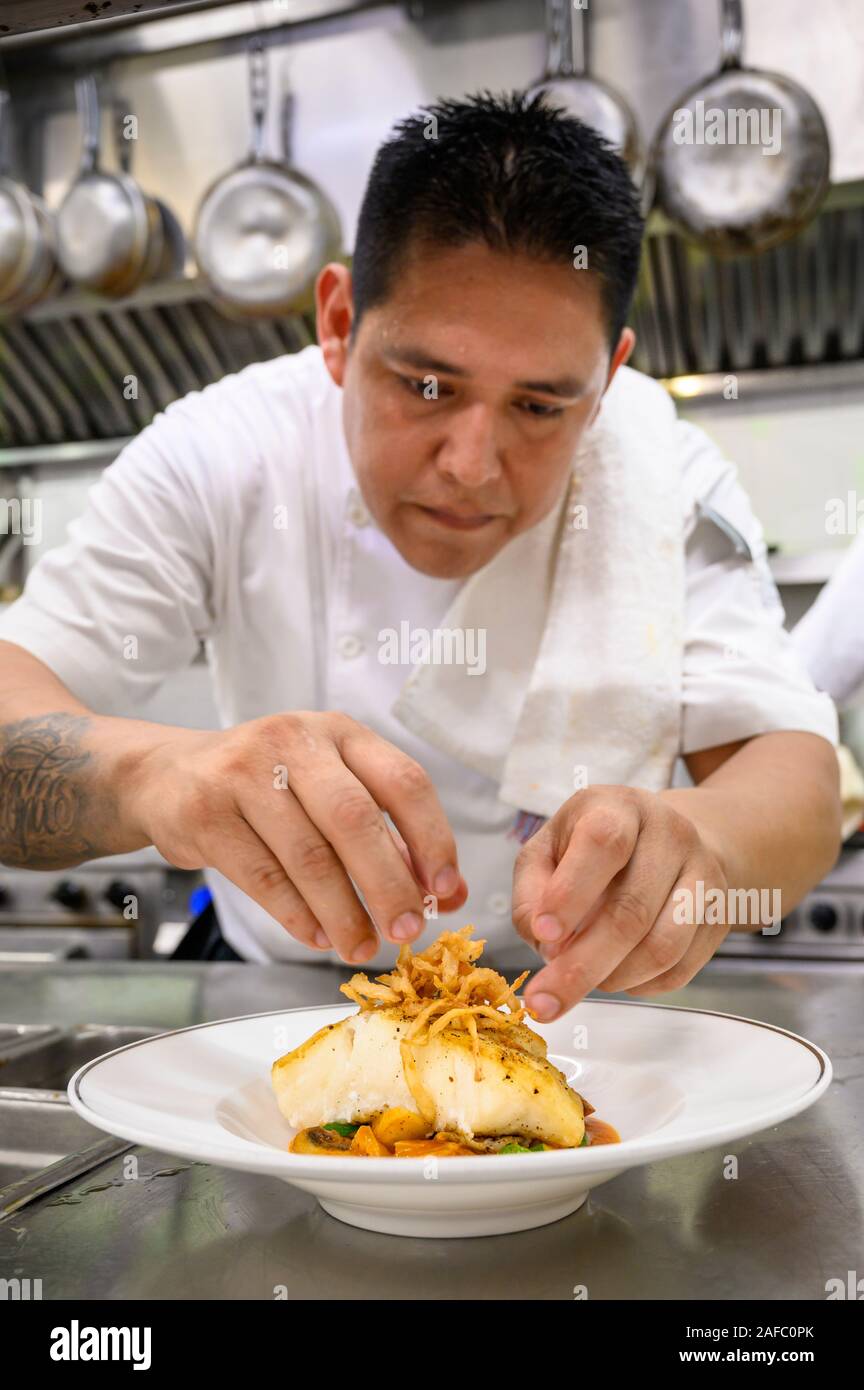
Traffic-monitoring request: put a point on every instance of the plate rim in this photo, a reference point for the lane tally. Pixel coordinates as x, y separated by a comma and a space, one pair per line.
556, 1164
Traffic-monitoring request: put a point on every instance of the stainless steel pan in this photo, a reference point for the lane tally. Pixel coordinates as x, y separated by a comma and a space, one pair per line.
168, 251
732, 197
263, 230
110, 234
568, 84
28, 259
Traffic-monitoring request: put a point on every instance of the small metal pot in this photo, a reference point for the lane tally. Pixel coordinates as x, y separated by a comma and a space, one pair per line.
568, 83
263, 230
731, 198
28, 260
110, 234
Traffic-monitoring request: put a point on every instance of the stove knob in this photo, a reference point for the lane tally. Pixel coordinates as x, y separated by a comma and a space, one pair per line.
117, 893
823, 916
70, 894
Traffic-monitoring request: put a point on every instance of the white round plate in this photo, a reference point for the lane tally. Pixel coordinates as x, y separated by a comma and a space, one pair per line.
671, 1081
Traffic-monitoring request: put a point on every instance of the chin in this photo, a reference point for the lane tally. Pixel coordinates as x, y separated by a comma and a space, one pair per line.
442, 562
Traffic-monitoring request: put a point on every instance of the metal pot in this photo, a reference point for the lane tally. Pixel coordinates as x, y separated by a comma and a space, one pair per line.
568, 83
28, 261
732, 197
110, 234
168, 251
263, 230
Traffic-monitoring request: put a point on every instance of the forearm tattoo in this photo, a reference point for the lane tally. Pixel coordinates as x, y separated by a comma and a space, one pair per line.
47, 813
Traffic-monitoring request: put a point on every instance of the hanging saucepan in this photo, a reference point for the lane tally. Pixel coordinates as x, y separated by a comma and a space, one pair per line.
568, 83
168, 253
263, 231
110, 235
28, 262
734, 195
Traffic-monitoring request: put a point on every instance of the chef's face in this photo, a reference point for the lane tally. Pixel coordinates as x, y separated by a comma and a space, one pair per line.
465, 396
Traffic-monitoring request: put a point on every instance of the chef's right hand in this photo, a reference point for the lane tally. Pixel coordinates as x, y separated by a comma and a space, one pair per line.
291, 808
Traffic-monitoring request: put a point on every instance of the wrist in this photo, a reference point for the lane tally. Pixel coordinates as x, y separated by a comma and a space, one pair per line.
699, 806
131, 756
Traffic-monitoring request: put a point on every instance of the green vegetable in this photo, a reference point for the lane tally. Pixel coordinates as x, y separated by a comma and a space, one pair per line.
514, 1148
585, 1140
347, 1131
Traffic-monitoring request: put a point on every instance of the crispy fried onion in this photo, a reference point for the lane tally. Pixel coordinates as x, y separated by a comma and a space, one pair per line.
443, 984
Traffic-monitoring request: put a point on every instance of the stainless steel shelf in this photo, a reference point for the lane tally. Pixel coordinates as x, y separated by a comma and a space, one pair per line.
174, 32
81, 454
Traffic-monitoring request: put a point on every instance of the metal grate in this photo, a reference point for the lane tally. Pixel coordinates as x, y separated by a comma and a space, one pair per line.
798, 304
73, 372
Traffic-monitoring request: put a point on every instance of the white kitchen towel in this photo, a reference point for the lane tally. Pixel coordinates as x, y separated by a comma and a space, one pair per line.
583, 619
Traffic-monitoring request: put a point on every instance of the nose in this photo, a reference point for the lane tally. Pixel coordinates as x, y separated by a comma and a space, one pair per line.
469, 455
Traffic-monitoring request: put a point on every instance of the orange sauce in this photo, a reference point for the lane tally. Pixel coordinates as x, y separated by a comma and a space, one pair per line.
599, 1132
422, 1148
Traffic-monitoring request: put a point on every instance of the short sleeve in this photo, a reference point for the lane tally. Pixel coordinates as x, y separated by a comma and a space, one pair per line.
128, 598
742, 674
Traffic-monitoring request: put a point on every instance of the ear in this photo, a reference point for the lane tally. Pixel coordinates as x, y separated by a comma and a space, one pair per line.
334, 314
625, 346
623, 349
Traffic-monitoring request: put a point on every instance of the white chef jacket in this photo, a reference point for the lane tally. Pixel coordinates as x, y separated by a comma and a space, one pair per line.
830, 636
235, 519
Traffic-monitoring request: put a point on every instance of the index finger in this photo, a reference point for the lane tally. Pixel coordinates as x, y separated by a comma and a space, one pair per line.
556, 885
626, 917
404, 789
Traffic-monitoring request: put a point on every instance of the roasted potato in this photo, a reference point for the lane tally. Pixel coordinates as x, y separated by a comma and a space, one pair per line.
365, 1142
396, 1124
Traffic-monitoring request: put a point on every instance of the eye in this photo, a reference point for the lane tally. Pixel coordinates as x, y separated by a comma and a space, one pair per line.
541, 412
418, 386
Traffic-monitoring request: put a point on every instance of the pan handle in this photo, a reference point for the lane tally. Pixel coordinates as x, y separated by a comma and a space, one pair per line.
87, 102
567, 51
258, 93
287, 124
578, 25
5, 131
731, 34
120, 110
559, 57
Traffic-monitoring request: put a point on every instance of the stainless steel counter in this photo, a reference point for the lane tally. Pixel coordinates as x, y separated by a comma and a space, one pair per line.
792, 1219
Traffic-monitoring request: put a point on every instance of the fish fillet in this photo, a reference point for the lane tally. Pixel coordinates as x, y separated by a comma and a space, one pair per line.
352, 1070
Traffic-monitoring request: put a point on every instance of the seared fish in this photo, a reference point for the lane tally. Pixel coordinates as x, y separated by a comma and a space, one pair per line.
351, 1071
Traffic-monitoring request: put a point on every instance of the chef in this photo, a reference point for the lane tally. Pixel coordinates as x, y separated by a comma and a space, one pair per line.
491, 632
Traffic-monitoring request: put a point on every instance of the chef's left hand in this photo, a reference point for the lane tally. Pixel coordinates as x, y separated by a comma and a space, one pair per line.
592, 890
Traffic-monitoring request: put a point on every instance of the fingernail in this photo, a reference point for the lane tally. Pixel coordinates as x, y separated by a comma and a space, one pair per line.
406, 927
322, 939
543, 1006
363, 952
548, 928
446, 882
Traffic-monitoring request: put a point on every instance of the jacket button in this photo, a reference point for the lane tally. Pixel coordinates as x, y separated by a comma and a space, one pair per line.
349, 646
357, 512
499, 903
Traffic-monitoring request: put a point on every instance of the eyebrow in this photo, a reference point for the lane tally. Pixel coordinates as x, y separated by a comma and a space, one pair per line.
563, 386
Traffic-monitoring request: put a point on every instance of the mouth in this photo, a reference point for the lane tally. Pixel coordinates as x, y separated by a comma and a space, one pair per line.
457, 521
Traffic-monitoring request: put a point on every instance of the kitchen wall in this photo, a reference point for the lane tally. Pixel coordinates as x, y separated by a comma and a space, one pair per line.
793, 454
351, 87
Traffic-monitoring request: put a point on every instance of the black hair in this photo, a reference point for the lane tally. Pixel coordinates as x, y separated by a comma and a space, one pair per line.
513, 171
